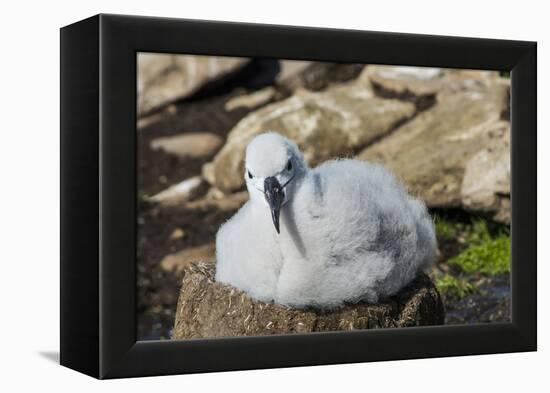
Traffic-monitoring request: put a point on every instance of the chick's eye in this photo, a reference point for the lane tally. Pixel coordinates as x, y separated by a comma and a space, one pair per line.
289, 165
250, 175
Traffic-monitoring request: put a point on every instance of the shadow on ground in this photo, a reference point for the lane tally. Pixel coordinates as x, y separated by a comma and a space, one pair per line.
52, 356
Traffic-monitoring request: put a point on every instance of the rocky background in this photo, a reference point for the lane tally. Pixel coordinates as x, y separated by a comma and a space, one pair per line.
445, 133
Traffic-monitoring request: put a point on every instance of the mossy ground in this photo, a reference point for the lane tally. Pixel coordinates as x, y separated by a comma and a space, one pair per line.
491, 257
470, 249
455, 287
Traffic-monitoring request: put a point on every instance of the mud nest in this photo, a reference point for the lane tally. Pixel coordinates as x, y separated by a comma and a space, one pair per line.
207, 308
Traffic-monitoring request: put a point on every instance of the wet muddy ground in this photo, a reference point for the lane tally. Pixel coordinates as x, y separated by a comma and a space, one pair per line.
490, 297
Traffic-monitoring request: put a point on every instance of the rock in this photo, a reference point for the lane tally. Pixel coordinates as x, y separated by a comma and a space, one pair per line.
207, 173
430, 152
177, 234
486, 182
423, 82
416, 84
422, 85
252, 100
217, 200
189, 145
215, 193
181, 192
337, 122
290, 69
165, 113
314, 76
165, 78
183, 259
210, 309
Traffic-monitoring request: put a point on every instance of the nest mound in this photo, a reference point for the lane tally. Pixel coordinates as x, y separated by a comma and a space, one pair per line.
207, 308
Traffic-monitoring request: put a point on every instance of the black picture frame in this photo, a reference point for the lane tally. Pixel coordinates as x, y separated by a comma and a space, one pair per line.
98, 195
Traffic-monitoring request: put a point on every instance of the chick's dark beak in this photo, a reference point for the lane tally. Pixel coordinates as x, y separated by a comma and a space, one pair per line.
274, 195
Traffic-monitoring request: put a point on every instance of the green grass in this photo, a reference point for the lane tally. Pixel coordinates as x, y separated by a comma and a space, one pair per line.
476, 231
446, 228
487, 248
479, 232
490, 256
455, 287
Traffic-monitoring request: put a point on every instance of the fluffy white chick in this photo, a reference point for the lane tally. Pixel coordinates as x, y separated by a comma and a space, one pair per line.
346, 231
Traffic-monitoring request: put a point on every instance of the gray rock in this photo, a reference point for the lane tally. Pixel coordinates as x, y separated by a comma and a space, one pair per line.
314, 76
403, 82
217, 200
167, 112
430, 152
486, 183
423, 82
208, 174
179, 261
252, 100
177, 234
291, 69
165, 78
336, 122
179, 193
189, 145
209, 309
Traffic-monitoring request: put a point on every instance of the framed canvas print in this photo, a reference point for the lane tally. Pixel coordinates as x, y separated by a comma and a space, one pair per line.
239, 196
